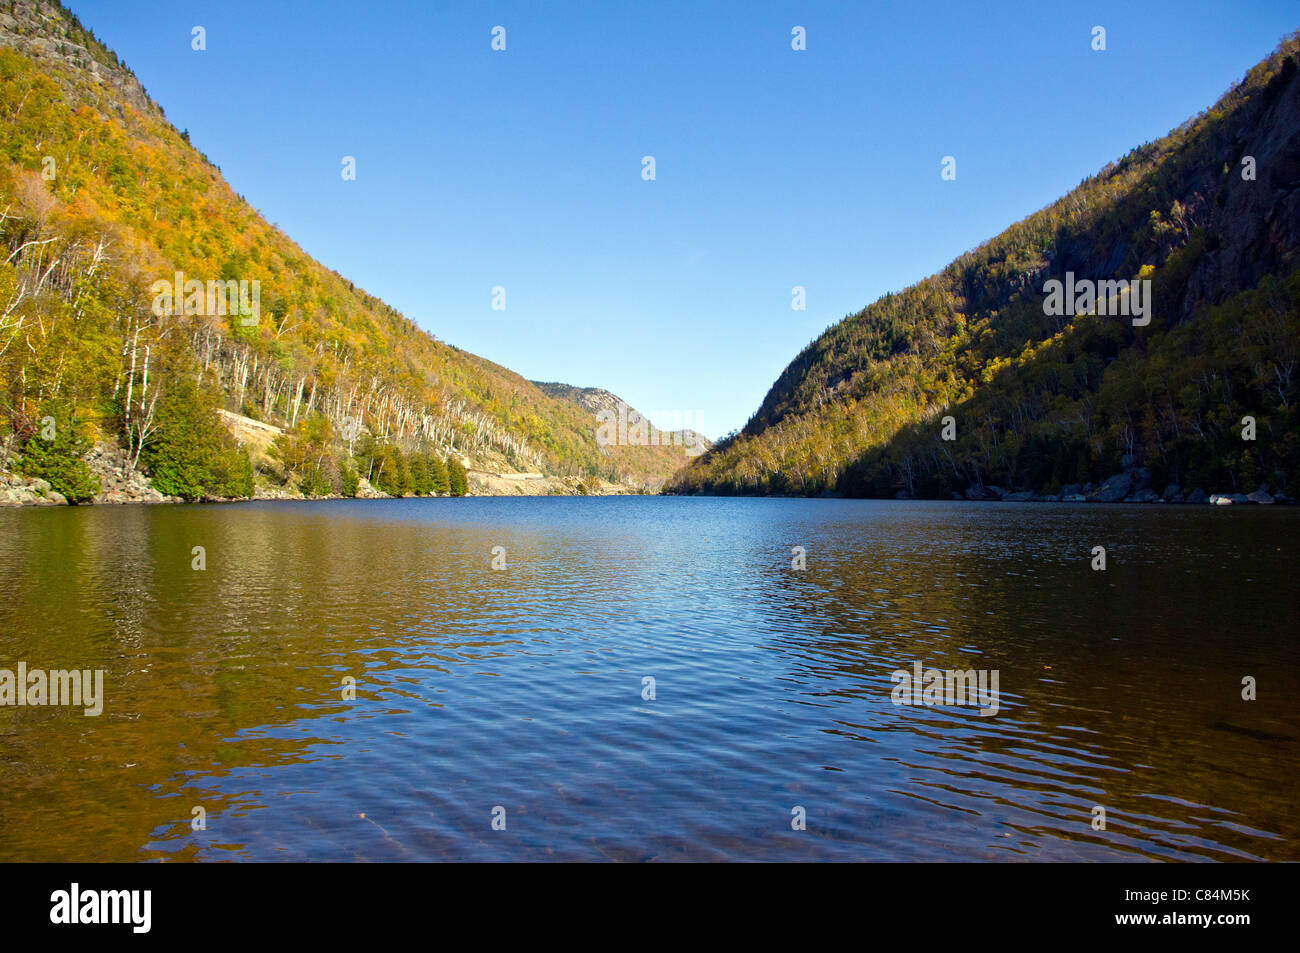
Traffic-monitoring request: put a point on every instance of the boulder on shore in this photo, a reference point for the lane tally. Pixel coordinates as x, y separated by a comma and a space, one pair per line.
1113, 490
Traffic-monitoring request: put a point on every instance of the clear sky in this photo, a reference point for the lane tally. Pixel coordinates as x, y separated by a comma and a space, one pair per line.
774, 168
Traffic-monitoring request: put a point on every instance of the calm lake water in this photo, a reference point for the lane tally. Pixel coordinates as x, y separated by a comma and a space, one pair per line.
522, 688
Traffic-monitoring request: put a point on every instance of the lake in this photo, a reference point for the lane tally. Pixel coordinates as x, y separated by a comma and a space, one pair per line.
650, 679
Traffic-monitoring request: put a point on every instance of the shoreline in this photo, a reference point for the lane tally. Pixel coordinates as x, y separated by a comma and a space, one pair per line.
1214, 500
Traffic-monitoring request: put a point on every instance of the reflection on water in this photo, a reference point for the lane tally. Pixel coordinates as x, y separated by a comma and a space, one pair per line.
522, 688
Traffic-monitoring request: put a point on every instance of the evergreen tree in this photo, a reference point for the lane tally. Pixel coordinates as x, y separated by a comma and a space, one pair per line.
191, 455
437, 476
316, 481
349, 479
369, 457
457, 479
419, 467
392, 473
60, 461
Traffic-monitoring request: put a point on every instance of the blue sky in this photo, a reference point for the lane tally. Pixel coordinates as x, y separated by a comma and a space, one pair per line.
775, 168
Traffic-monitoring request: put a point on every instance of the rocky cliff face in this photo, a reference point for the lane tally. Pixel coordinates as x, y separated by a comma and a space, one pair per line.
1256, 223
1251, 224
52, 35
596, 401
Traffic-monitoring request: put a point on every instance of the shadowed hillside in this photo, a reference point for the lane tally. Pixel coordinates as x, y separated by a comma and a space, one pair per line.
1209, 214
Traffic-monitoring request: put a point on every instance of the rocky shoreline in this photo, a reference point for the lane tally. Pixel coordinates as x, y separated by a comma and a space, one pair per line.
1131, 486
120, 483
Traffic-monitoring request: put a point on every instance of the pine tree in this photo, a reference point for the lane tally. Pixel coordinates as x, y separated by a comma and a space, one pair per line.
457, 479
350, 479
437, 476
419, 466
61, 461
191, 455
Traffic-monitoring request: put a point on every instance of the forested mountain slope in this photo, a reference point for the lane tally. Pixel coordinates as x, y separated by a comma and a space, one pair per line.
1210, 214
100, 198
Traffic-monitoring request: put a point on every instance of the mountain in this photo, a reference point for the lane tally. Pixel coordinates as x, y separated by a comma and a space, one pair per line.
1204, 395
104, 205
643, 454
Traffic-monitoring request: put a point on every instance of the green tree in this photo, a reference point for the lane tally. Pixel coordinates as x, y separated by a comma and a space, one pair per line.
369, 456
315, 481
457, 480
392, 473
349, 479
233, 474
190, 454
419, 467
437, 476
60, 461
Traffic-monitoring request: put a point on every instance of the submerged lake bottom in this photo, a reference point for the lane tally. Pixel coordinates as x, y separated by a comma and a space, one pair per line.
653, 679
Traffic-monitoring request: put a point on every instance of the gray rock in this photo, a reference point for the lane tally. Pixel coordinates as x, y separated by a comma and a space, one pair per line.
1173, 493
1113, 490
978, 492
957, 496
1073, 498
1197, 496
1071, 489
1261, 496
1023, 496
902, 495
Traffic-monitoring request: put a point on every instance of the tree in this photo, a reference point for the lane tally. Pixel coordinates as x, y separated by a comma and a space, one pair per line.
392, 473
349, 479
437, 476
315, 481
60, 461
419, 467
191, 455
457, 479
